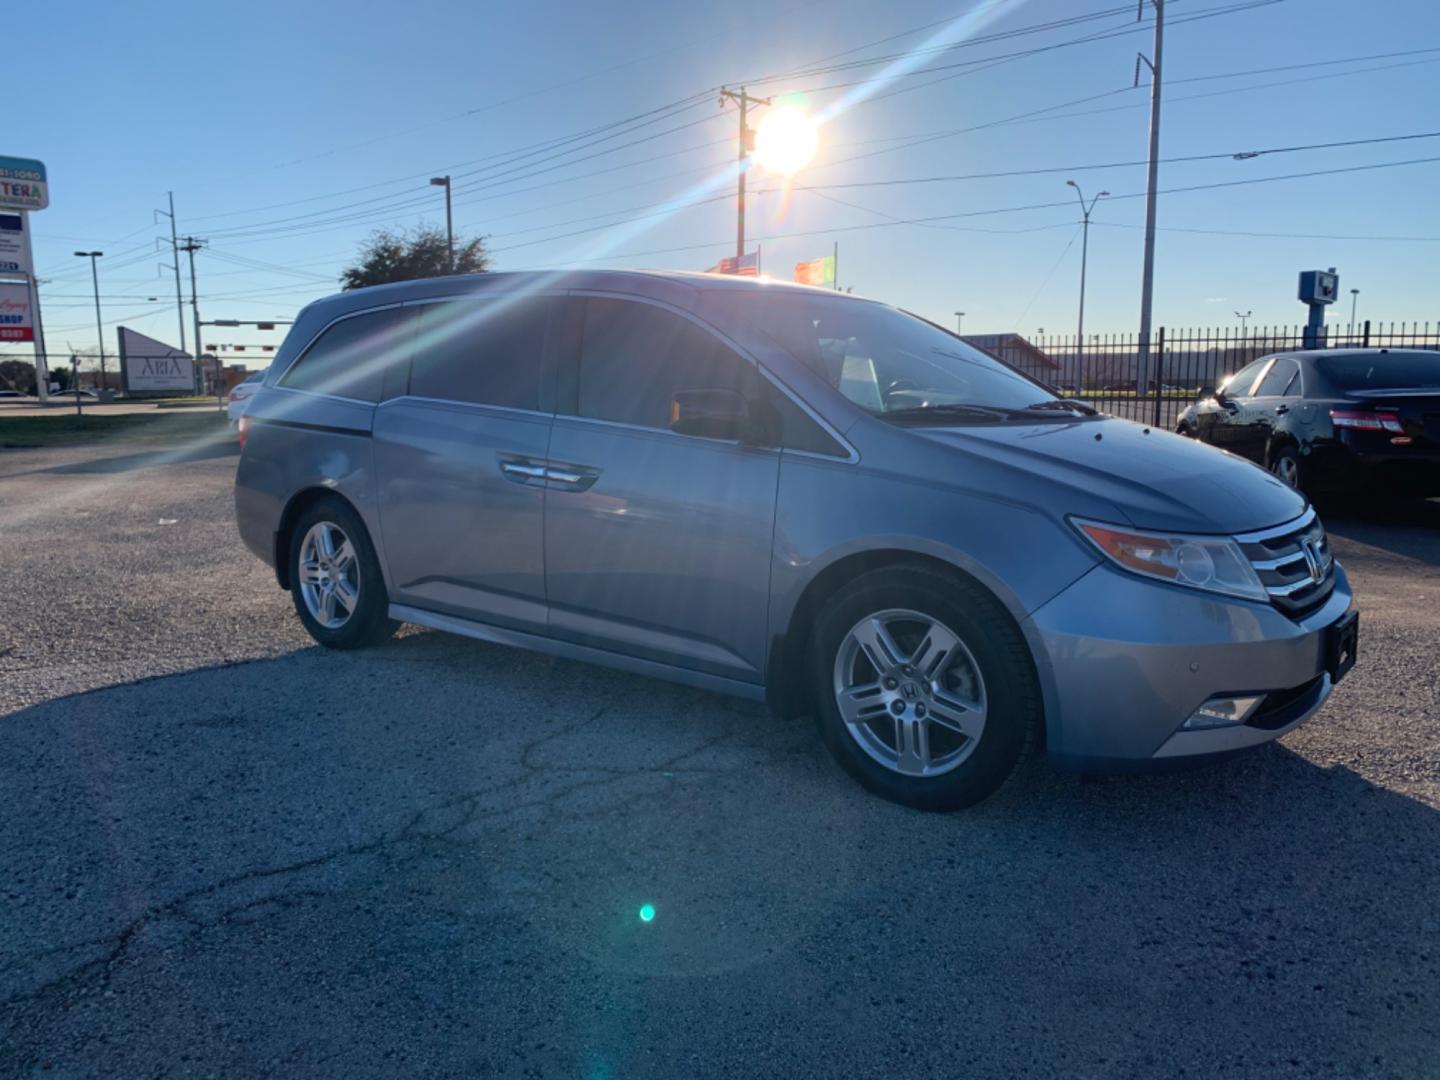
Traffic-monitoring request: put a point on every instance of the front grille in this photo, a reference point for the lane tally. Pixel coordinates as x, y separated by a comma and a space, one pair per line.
1294, 564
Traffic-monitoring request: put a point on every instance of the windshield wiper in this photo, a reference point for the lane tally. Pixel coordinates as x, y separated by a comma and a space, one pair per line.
952, 410
1057, 404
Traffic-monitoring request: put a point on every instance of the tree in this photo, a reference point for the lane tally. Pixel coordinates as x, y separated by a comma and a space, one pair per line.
17, 375
405, 256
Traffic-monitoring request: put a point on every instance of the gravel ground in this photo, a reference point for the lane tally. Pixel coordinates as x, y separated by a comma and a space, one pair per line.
224, 851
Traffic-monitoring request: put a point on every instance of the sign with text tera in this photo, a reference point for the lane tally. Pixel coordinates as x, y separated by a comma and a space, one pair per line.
15, 314
14, 245
23, 185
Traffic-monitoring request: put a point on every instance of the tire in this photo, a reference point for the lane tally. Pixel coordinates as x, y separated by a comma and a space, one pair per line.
1184, 429
992, 669
367, 621
1285, 466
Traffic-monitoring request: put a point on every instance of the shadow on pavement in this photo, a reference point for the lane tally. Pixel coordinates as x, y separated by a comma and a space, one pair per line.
431, 856
1408, 527
147, 460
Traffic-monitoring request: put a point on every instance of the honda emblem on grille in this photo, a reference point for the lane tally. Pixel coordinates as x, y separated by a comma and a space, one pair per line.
1313, 562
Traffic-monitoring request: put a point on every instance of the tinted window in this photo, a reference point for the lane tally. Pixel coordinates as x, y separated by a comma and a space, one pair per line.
1381, 371
487, 352
634, 357
351, 358
1283, 378
799, 432
1239, 384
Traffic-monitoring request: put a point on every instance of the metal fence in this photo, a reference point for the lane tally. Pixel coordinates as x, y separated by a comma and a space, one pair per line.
1106, 372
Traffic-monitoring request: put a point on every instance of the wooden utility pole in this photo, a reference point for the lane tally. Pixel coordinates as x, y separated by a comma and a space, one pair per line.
747, 144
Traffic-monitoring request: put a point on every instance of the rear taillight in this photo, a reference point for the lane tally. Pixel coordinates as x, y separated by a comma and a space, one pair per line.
1366, 421
243, 429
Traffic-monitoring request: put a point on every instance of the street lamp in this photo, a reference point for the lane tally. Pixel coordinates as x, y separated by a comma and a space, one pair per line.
444, 181
959, 315
1354, 299
1084, 254
1242, 316
99, 326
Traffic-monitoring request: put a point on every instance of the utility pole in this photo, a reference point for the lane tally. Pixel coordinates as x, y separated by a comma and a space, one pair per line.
1084, 256
175, 252
99, 326
444, 181
191, 246
747, 144
1147, 281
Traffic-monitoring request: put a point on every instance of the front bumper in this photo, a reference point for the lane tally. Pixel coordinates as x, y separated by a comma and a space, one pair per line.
1124, 662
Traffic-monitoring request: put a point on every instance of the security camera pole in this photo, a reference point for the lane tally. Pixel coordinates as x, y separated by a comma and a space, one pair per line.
747, 144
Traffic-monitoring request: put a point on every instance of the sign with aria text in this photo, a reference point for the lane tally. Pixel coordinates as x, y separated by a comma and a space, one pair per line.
148, 366
15, 316
23, 185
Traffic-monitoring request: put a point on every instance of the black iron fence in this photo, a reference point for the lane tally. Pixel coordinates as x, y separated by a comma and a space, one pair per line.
1111, 373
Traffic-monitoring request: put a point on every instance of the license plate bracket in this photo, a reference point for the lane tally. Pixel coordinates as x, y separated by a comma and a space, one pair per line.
1342, 641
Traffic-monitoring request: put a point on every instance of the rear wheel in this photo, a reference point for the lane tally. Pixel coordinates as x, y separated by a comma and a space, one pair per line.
924, 687
1285, 464
335, 578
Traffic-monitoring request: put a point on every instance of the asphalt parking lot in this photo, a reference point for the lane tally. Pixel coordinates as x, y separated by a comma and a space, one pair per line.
224, 851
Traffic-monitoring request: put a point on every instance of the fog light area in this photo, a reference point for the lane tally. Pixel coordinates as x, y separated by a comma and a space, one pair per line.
1222, 712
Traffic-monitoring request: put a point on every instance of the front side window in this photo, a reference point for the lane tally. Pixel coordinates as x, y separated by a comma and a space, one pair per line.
634, 358
352, 357
888, 362
484, 352
1243, 381
1283, 378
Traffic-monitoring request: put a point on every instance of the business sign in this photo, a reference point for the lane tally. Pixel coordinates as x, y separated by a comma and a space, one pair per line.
23, 185
147, 365
16, 323
14, 245
743, 265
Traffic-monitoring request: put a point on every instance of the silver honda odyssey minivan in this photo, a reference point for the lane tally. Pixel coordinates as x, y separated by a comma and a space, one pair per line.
798, 497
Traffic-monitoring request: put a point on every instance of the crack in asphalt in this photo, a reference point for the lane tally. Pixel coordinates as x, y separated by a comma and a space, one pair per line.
463, 811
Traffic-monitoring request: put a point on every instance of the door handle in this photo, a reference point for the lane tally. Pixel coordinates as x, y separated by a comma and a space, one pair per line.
522, 470
571, 477
1281, 410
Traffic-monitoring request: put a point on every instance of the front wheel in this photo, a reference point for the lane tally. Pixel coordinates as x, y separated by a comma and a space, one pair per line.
924, 687
335, 578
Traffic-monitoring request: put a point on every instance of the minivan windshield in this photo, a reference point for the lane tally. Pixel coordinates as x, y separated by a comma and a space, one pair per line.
896, 365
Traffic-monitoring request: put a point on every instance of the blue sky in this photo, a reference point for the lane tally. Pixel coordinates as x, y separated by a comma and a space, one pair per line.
289, 131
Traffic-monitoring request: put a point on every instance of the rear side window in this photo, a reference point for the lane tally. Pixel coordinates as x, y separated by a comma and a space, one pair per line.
488, 352
1381, 371
351, 358
634, 357
1282, 379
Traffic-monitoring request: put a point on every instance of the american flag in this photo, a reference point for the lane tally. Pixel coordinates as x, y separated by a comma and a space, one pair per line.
743, 265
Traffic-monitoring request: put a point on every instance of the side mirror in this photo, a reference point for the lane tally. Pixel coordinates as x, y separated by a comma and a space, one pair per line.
710, 414
1206, 391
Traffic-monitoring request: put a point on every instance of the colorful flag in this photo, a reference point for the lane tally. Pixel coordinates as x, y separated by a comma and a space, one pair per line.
744, 266
816, 271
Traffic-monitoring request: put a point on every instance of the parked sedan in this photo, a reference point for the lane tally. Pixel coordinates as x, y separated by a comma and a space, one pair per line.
1332, 420
240, 395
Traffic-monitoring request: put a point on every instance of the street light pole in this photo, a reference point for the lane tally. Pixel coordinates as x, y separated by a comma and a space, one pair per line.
99, 326
1354, 299
1084, 257
1147, 279
444, 181
959, 316
1242, 316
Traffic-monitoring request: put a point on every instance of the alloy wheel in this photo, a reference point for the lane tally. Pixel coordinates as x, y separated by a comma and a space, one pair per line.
910, 692
1287, 469
329, 575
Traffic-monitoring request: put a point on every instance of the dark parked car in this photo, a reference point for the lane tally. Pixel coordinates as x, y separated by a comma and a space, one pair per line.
1333, 420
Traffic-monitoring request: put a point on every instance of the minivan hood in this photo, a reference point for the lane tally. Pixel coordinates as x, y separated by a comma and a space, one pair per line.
1156, 479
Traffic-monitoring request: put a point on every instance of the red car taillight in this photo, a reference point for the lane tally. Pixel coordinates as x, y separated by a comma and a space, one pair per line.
243, 429
1366, 421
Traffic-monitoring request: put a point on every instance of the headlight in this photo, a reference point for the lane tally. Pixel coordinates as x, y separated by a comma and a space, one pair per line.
1212, 563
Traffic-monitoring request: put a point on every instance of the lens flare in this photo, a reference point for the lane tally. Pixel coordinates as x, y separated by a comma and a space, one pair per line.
786, 140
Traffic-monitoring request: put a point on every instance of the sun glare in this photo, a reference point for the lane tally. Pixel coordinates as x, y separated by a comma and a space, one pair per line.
786, 140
